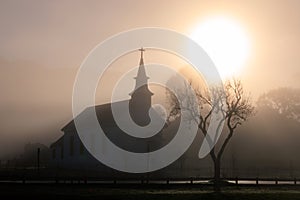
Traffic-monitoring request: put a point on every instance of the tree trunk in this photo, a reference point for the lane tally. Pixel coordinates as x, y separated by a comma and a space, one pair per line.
217, 177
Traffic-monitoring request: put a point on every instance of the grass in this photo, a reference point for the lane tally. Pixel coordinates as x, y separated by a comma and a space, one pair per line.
145, 192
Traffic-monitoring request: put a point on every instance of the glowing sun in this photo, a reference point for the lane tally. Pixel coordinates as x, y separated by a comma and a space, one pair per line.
226, 43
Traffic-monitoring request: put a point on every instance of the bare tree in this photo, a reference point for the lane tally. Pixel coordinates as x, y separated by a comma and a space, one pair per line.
236, 108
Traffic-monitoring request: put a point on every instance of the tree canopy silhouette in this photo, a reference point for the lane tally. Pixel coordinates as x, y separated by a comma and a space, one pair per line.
283, 101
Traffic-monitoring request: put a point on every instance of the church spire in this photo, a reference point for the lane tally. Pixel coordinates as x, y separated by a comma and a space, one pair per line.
140, 101
141, 78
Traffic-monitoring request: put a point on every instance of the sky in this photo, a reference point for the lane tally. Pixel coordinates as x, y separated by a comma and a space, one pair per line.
43, 44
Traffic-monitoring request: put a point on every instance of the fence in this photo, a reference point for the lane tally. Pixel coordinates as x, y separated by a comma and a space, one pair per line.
164, 181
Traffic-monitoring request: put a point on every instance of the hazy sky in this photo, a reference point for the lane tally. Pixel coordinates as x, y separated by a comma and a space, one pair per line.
44, 42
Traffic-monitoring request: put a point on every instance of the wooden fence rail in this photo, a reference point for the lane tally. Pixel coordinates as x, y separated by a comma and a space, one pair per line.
190, 180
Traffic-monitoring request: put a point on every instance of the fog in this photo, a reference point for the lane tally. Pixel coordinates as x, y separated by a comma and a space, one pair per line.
43, 44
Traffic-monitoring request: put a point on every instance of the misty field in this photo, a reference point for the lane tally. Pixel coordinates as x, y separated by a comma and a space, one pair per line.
68, 191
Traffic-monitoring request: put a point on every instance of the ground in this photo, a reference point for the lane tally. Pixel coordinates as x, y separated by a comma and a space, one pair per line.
145, 192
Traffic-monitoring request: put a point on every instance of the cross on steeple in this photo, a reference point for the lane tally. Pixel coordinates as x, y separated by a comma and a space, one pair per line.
142, 51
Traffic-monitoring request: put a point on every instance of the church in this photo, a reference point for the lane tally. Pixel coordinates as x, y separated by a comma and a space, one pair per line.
69, 153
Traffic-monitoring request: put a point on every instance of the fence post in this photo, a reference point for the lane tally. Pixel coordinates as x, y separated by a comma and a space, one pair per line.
295, 181
276, 181
38, 160
256, 180
192, 180
236, 180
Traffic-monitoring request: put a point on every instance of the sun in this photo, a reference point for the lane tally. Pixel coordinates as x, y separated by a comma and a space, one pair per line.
225, 42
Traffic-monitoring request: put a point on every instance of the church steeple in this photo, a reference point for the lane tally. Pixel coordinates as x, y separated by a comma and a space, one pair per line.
141, 78
140, 101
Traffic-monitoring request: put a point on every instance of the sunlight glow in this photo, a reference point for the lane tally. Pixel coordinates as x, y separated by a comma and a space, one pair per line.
225, 42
